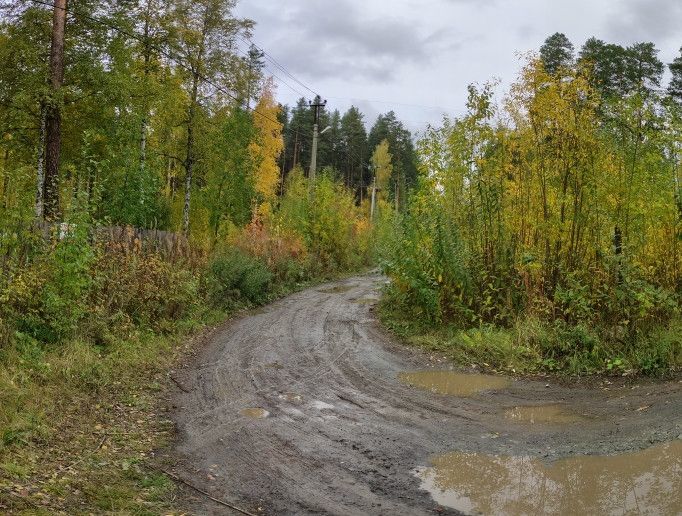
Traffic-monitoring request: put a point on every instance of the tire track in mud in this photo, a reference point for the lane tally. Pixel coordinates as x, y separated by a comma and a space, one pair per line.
344, 435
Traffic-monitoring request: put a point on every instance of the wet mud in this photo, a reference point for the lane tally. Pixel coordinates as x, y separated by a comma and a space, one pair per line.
544, 415
353, 425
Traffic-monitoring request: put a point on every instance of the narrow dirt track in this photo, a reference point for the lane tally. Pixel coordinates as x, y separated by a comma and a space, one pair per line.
344, 435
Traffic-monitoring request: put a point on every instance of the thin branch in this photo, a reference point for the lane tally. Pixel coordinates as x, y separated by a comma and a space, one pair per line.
207, 495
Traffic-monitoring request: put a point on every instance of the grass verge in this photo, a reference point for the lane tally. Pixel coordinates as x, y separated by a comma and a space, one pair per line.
79, 424
533, 346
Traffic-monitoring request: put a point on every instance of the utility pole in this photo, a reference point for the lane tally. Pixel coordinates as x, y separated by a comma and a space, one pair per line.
316, 127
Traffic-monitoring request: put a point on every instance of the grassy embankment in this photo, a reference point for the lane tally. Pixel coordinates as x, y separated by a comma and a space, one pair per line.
89, 335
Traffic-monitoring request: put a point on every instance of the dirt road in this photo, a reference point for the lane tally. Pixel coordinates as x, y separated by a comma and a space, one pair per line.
299, 408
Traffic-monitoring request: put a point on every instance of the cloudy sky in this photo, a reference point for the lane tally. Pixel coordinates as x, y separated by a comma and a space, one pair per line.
417, 56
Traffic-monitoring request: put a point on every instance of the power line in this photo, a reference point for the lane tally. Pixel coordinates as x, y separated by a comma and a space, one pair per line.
278, 65
161, 51
393, 103
190, 69
271, 73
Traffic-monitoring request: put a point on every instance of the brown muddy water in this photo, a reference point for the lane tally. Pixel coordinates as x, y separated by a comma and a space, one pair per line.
544, 415
646, 482
453, 383
254, 413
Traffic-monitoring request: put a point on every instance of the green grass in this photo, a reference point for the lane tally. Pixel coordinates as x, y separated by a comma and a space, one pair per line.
78, 425
533, 346
79, 422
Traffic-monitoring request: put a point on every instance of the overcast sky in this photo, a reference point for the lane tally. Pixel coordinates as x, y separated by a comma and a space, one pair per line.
417, 56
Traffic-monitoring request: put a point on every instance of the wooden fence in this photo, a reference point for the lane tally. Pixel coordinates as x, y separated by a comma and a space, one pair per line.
17, 242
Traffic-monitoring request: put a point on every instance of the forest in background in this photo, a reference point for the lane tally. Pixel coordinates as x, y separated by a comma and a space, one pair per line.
154, 185
163, 118
151, 184
546, 231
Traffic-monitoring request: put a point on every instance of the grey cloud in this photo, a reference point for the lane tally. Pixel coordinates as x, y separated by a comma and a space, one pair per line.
328, 38
646, 20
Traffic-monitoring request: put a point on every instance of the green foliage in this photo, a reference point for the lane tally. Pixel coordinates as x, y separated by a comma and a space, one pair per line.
235, 278
45, 298
536, 220
132, 290
69, 278
330, 225
556, 53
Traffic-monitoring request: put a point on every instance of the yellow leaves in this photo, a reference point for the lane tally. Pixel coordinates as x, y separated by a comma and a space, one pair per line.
383, 167
267, 147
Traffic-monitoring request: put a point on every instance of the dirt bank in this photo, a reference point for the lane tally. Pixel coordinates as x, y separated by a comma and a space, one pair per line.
339, 432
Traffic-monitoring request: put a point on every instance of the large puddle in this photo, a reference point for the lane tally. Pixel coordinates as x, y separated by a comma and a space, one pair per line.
646, 482
453, 383
544, 415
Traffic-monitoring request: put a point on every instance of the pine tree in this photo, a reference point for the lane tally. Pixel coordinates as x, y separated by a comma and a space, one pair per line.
404, 176
354, 150
675, 86
556, 53
605, 63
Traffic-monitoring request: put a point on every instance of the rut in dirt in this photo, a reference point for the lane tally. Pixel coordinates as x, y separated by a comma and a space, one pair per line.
308, 407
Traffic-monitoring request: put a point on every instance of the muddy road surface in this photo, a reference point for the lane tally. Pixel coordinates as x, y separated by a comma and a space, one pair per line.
308, 407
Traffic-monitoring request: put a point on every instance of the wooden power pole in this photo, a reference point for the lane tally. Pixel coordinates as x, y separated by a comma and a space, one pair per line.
316, 134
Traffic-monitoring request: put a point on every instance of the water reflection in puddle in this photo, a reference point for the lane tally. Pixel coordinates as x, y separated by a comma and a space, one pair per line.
456, 384
254, 413
544, 414
646, 482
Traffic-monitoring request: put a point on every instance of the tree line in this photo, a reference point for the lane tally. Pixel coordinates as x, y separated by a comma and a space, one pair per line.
348, 147
554, 216
161, 115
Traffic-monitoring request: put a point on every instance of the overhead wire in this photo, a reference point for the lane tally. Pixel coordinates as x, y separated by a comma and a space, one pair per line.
278, 65
274, 75
179, 62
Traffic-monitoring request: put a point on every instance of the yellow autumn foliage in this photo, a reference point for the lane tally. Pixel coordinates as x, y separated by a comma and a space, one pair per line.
266, 149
